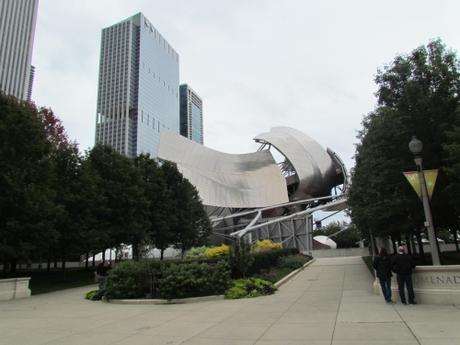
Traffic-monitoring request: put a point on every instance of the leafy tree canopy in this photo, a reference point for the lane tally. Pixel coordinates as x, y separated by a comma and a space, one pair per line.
418, 94
26, 198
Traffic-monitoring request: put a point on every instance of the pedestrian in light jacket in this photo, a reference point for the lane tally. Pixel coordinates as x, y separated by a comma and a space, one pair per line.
382, 266
403, 265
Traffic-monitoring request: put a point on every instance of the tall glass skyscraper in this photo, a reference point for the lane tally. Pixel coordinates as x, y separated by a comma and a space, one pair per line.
138, 93
191, 114
17, 31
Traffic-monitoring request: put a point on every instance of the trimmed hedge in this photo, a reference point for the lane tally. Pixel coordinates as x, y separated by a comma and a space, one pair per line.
291, 262
128, 279
194, 280
265, 260
185, 278
154, 279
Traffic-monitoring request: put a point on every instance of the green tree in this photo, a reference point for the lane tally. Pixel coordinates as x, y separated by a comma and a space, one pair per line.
119, 207
160, 203
189, 222
26, 198
67, 184
70, 203
451, 166
418, 94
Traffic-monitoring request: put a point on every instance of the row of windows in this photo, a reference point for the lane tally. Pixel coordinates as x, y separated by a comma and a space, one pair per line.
170, 88
161, 40
147, 120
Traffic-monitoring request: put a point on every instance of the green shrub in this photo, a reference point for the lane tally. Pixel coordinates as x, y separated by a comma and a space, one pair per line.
251, 287
149, 278
240, 259
265, 260
292, 262
128, 279
194, 279
92, 295
185, 278
196, 252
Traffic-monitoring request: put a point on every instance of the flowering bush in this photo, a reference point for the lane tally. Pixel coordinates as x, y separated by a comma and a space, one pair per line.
217, 251
266, 245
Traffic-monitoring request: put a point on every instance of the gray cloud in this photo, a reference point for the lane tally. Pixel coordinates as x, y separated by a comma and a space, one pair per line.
256, 64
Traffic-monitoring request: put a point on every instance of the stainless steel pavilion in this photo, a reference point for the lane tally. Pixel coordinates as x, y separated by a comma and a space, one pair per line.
262, 198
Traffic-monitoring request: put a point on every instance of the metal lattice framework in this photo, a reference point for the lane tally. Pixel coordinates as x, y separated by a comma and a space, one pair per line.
292, 230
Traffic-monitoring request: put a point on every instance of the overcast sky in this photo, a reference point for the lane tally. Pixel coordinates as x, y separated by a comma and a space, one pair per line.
256, 64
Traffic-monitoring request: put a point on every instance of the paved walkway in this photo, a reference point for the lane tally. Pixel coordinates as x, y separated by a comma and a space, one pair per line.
330, 302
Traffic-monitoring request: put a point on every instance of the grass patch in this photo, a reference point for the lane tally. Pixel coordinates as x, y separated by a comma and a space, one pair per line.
43, 282
368, 261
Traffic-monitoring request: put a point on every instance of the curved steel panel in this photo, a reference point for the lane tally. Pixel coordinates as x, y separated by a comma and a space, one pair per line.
249, 180
315, 169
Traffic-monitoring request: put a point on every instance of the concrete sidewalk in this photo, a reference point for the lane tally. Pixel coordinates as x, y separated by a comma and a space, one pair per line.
330, 302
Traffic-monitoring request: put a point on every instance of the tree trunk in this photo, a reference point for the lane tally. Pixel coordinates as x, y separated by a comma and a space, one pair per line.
86, 261
412, 243
48, 265
409, 249
420, 246
456, 241
103, 256
13, 266
437, 245
374, 246
393, 243
63, 263
162, 251
94, 260
135, 248
55, 263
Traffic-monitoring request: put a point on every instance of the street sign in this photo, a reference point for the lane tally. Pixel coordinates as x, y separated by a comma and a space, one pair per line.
430, 179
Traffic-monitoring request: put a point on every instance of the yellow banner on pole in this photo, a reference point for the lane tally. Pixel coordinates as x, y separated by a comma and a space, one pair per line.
430, 180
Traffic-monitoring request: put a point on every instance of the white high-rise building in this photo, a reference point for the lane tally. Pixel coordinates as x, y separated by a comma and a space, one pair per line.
17, 30
138, 92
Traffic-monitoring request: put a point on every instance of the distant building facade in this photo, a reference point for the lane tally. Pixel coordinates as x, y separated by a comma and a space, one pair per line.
191, 114
138, 92
17, 31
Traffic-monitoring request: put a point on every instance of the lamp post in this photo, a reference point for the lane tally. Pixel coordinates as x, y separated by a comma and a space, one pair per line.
416, 147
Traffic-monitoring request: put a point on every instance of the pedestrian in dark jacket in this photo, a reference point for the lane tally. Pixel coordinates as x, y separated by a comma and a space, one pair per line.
382, 266
402, 264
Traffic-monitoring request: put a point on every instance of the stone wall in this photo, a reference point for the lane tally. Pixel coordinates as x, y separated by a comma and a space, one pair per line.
329, 253
14, 288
